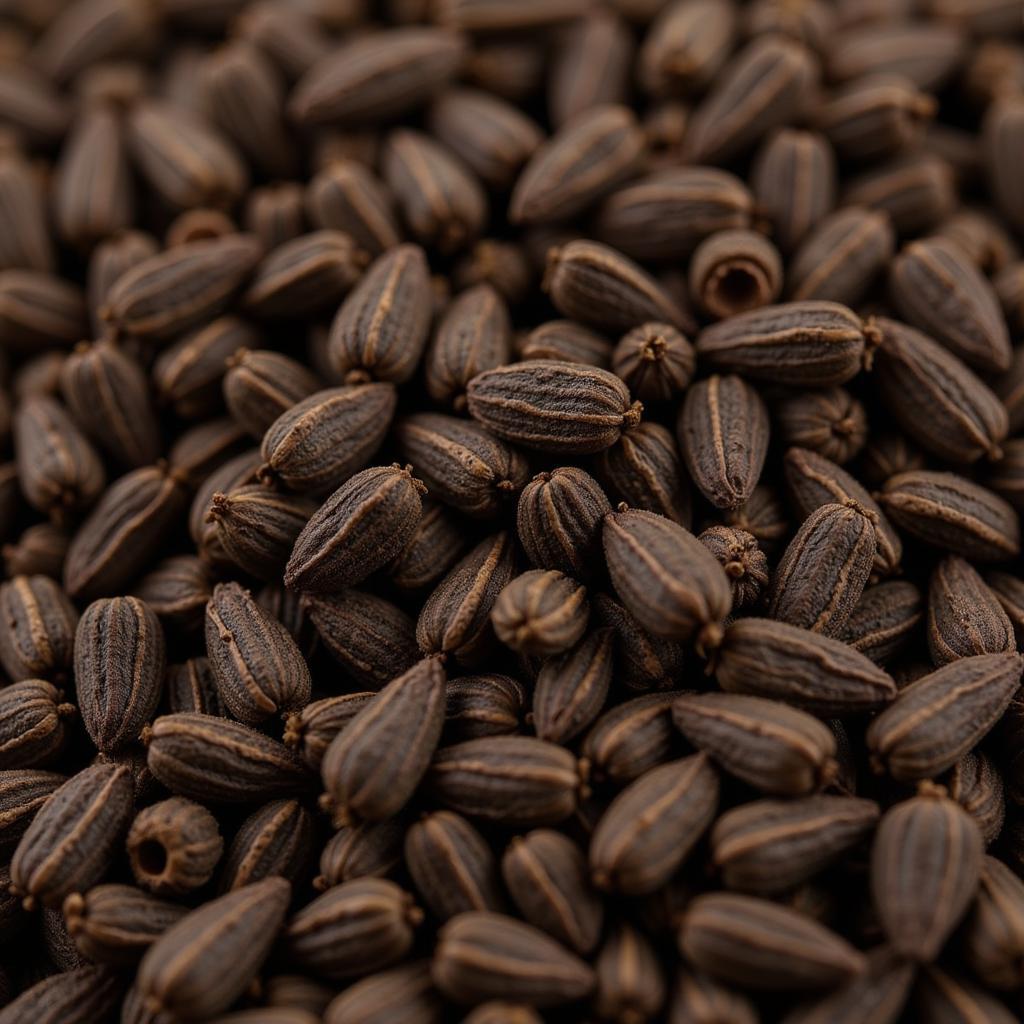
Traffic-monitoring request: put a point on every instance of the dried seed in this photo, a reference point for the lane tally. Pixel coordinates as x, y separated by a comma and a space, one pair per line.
964, 616
917, 191
975, 784
435, 544
399, 992
925, 52
1007, 476
370, 850
38, 551
75, 996
275, 213
173, 846
884, 620
686, 46
655, 360
744, 562
33, 728
204, 448
26, 240
565, 342
346, 196
192, 687
630, 979
276, 840
39, 311
484, 705
505, 266
541, 612
697, 999
944, 997
630, 739
571, 690
23, 791
830, 422
37, 628
732, 272
642, 661
1002, 132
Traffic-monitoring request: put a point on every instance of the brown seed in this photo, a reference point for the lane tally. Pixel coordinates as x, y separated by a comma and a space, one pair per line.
75, 996
39, 551
925, 865
941, 996
546, 875
655, 360
191, 686
976, 785
631, 738
630, 978
541, 612
37, 628
319, 442
32, 104
964, 616
916, 190
642, 661
686, 46
571, 690
505, 266
364, 779
926, 52
23, 791
735, 271
74, 836
773, 747
830, 422
276, 840
310, 730
370, 850
753, 943
483, 705
1007, 476
452, 866
506, 15
435, 544
39, 311
936, 720
993, 935
275, 213
745, 564
697, 999
887, 454
481, 956
120, 659
33, 724
27, 242
257, 665
204, 448
406, 991
1002, 132
884, 620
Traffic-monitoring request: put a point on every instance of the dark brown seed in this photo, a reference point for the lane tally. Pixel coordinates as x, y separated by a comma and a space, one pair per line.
173, 846
202, 964
276, 840
205, 447
541, 612
830, 422
571, 690
33, 724
381, 328
951, 512
1007, 476
37, 628
753, 943
484, 705
346, 196
75, 996
993, 936
599, 286
311, 730
743, 561
650, 828
235, 472
26, 240
370, 850
374, 640
630, 977
191, 687
377, 76
642, 661
697, 999
505, 266
666, 577
275, 213
926, 52
985, 242
481, 956
925, 865
219, 761
824, 570
762, 516
884, 620
39, 311
775, 748
964, 616
399, 993
435, 544
976, 785
887, 454
917, 191
631, 738
257, 665
364, 779
461, 463
768, 846
936, 720
120, 659
507, 15
353, 929
732, 272
23, 791
319, 442
74, 836
1002, 138
945, 997
655, 360
38, 551
452, 866
686, 46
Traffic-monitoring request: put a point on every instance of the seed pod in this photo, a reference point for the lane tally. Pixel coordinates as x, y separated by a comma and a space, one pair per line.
37, 628
630, 739
346, 196
120, 659
951, 512
520, 962
363, 779
768, 846
744, 562
696, 999
483, 705
73, 838
198, 967
38, 551
655, 360
39, 311
566, 342
634, 852
840, 258
23, 791
176, 590
830, 422
964, 616
571, 690
516, 781
219, 761
353, 929
59, 470
546, 875
452, 866
191, 687
888, 454
686, 46
732, 272
642, 661
773, 747
371, 850
666, 577
503, 266
32, 724
461, 463
541, 613
75, 996
319, 442
109, 260
310, 730
276, 840
1009, 592
925, 865
976, 785
736, 114
173, 846
936, 720
435, 544
754, 943
598, 286
884, 620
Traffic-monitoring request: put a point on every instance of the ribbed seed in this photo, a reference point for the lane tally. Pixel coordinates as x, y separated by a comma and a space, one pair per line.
800, 344
320, 441
965, 617
541, 612
567, 342
173, 846
884, 620
571, 690
697, 999
944, 997
483, 705
435, 544
600, 287
38, 551
916, 190
219, 761
177, 590
26, 240
732, 272
120, 659
655, 360
109, 260
1007, 476
60, 472
399, 993
256, 528
951, 512
205, 447
381, 328
936, 720
310, 730
1009, 592
993, 937
504, 266
75, 996
630, 977
666, 577
840, 258
33, 717
275, 213
374, 640
976, 785
642, 661
182, 287
461, 463
926, 862
276, 840
745, 564
370, 850
517, 781
686, 46
74, 836
37, 628
22, 792
191, 687
650, 828
456, 617
258, 667
768, 846
935, 398
1002, 134
39, 311
546, 875
754, 943
452, 866
481, 956
200, 965
830, 422
774, 748
630, 739
353, 929
346, 196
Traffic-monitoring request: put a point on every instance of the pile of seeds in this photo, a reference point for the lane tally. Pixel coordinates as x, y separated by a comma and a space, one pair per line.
511, 511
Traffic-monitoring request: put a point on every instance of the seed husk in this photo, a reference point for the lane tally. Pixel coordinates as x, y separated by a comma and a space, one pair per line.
541, 612
37, 629
34, 722
570, 690
655, 360
260, 385
275, 840
884, 620
942, 996
631, 738
694, 996
74, 996
370, 850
